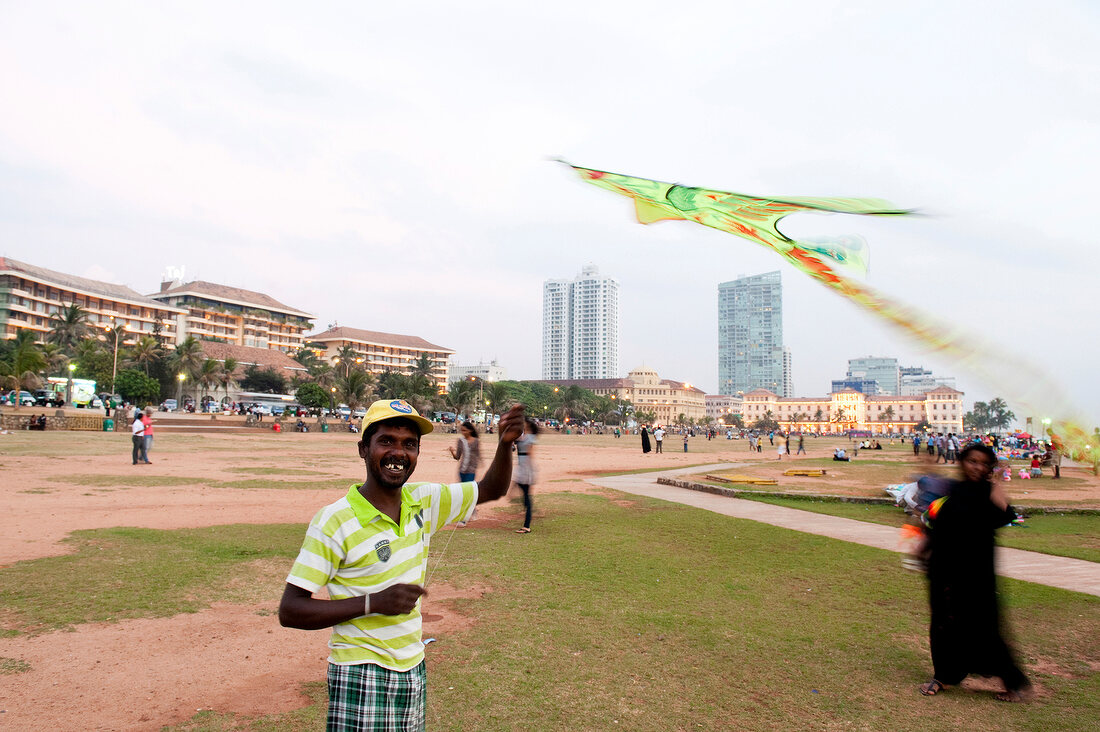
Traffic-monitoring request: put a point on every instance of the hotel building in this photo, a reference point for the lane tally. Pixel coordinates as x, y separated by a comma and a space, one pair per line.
233, 315
30, 295
381, 352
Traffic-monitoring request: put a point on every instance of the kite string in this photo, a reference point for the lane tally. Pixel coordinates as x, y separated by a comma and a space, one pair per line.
442, 554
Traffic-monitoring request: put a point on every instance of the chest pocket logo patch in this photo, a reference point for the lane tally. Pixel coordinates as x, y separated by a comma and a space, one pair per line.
383, 549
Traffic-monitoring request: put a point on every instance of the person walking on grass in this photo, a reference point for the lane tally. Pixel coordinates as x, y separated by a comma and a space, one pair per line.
524, 474
369, 552
801, 444
137, 436
467, 451
965, 631
147, 438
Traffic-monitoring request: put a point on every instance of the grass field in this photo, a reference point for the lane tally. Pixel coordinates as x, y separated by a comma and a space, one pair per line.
1063, 535
621, 613
617, 612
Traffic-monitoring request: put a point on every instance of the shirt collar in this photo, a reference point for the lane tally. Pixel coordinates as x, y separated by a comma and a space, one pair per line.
366, 512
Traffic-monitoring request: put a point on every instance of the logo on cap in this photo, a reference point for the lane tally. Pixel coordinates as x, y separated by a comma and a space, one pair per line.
399, 405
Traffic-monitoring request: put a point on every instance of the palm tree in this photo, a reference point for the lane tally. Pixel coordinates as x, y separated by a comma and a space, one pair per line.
345, 356
26, 360
323, 375
498, 396
460, 396
68, 326
188, 357
423, 366
572, 405
306, 357
356, 388
229, 365
209, 376
56, 359
819, 415
145, 353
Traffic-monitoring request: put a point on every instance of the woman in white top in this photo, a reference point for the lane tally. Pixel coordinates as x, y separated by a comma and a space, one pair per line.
524, 474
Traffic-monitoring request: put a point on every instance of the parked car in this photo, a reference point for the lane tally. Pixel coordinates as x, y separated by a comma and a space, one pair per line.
359, 412
21, 398
47, 398
169, 405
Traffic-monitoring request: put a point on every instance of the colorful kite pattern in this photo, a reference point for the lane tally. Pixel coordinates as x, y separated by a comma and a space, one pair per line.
756, 218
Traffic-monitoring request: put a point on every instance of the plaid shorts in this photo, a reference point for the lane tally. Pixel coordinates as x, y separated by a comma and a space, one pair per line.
369, 697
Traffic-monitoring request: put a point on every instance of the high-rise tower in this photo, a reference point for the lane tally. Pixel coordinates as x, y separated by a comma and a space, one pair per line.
580, 327
750, 335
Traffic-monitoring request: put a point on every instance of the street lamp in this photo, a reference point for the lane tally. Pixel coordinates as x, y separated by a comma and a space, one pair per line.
332, 400
180, 377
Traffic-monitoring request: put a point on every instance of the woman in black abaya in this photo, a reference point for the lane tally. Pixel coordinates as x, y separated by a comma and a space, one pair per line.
645, 440
965, 632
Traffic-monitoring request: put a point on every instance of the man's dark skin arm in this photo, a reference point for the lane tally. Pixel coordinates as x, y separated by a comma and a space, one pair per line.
494, 484
299, 609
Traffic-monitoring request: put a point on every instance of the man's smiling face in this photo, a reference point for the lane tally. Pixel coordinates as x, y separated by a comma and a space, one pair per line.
391, 455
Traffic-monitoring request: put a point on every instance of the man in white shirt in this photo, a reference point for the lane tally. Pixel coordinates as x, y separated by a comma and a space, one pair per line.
659, 437
137, 436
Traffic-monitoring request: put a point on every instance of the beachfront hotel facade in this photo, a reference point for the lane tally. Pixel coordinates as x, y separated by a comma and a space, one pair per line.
648, 392
30, 295
849, 409
381, 352
213, 312
580, 326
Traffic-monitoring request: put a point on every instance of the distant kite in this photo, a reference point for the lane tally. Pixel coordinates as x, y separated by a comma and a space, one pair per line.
757, 218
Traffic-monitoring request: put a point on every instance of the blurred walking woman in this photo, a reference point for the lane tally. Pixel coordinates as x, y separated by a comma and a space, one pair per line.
965, 632
524, 474
467, 451
645, 440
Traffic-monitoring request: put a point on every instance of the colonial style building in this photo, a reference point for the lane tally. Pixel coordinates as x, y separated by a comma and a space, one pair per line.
849, 409
29, 295
233, 315
648, 392
721, 406
381, 352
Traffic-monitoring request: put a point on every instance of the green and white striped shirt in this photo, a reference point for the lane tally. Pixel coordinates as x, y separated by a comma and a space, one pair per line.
352, 550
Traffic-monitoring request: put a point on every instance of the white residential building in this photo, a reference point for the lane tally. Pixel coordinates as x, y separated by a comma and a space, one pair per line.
580, 327
491, 371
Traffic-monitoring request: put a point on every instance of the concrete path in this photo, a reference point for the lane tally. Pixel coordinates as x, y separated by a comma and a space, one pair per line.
1062, 572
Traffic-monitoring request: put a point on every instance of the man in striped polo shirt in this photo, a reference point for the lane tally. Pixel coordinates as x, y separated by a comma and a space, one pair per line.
369, 550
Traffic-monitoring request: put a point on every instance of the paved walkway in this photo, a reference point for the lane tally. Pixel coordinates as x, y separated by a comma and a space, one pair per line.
1062, 572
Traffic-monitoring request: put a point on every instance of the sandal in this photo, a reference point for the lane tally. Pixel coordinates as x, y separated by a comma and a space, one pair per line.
1014, 695
523, 530
932, 688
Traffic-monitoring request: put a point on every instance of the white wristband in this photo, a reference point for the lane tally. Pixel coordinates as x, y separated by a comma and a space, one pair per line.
366, 604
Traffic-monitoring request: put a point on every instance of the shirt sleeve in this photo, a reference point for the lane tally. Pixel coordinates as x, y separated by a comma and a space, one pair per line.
319, 557
450, 503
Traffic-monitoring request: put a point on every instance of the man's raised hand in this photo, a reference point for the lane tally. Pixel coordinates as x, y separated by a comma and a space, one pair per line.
511, 424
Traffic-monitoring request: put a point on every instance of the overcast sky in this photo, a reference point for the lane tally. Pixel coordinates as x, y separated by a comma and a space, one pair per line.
387, 168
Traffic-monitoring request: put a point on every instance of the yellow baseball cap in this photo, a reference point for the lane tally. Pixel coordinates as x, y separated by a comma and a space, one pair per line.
384, 409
